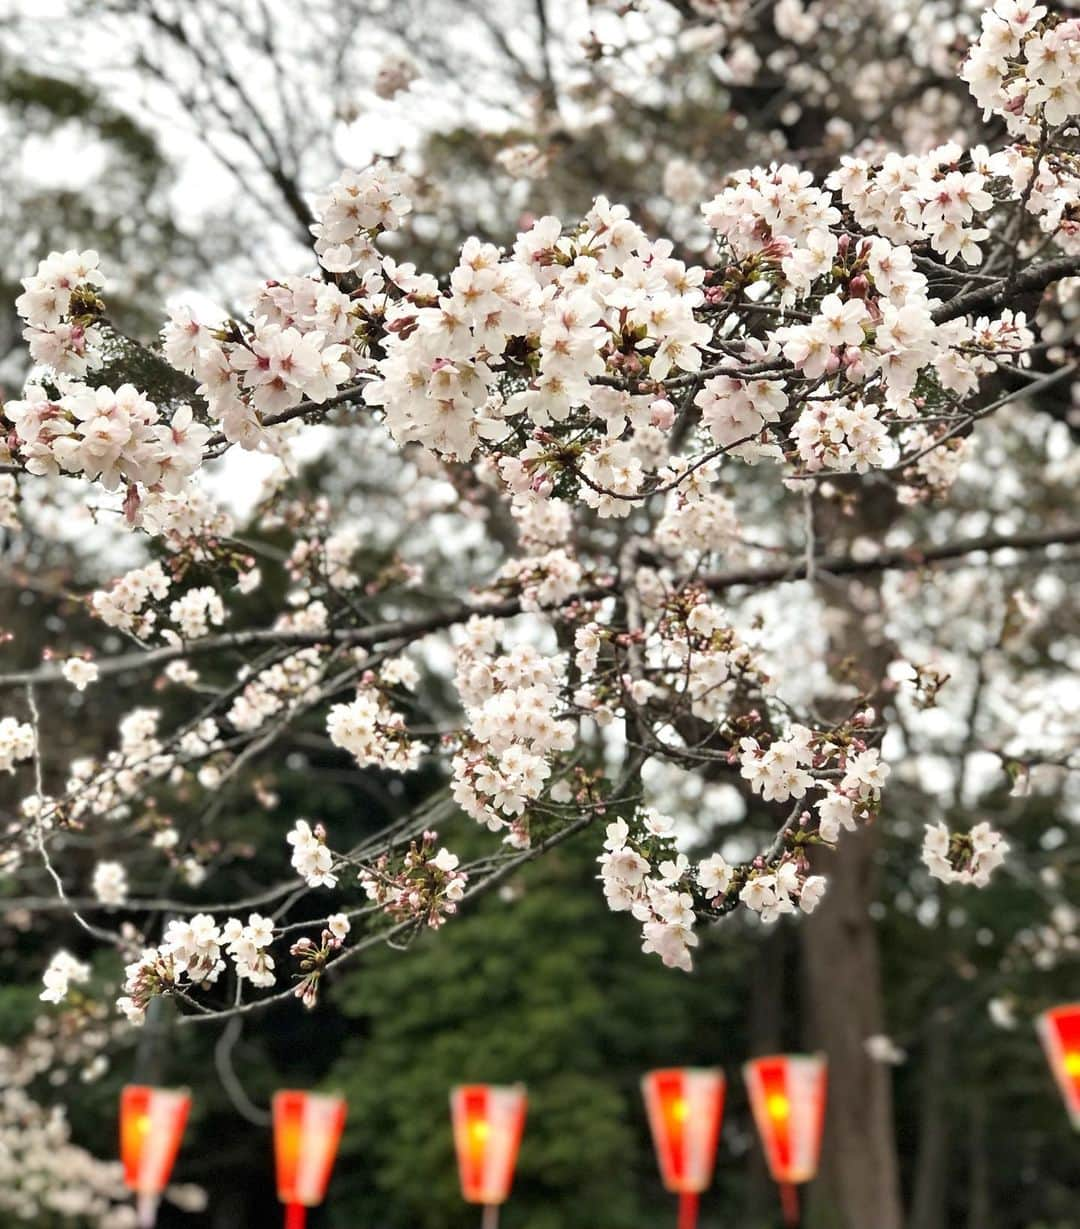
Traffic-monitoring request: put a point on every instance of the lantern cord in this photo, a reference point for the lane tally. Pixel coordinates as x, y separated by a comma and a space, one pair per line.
295, 1216
491, 1216
789, 1203
688, 1210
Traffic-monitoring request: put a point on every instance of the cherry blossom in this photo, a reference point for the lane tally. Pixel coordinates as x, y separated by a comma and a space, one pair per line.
582, 457
963, 858
63, 970
17, 743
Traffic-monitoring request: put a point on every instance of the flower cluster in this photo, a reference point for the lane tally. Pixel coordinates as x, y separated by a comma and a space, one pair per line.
109, 883
698, 518
425, 884
280, 687
853, 797
293, 349
395, 74
17, 743
777, 215
971, 857
74, 1041
107, 788
871, 338
62, 971
191, 956
247, 945
189, 522
45, 1178
128, 602
511, 701
544, 580
523, 160
563, 360
736, 411
522, 339
911, 198
643, 872
197, 611
780, 771
329, 560
312, 858
61, 308
354, 212
9, 502
313, 957
692, 653
773, 891
1054, 941
644, 875
1025, 66
106, 435
372, 732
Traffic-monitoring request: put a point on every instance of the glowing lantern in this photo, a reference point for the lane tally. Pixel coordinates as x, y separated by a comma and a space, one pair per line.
1059, 1031
787, 1095
685, 1106
307, 1131
488, 1122
152, 1122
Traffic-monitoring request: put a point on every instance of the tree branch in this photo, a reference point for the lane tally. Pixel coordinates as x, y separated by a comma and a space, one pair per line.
997, 294
408, 630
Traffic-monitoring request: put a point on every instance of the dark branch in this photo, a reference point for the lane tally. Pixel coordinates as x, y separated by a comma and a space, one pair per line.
408, 630
1000, 293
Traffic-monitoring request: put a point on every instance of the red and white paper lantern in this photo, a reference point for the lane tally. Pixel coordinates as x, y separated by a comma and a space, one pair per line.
152, 1122
1059, 1031
307, 1131
488, 1122
787, 1096
685, 1106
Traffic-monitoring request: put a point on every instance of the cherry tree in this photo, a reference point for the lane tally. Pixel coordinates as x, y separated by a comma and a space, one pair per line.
594, 417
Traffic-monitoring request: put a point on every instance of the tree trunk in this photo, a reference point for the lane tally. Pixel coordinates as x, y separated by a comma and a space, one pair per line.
979, 1201
858, 1186
766, 1016
931, 1188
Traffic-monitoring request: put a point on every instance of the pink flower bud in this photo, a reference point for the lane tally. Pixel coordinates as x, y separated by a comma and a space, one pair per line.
663, 414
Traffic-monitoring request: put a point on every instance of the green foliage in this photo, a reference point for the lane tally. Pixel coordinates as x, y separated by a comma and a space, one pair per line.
549, 990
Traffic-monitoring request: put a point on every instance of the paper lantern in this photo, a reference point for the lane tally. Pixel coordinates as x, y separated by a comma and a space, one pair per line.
1059, 1031
787, 1096
685, 1106
307, 1131
488, 1122
152, 1124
